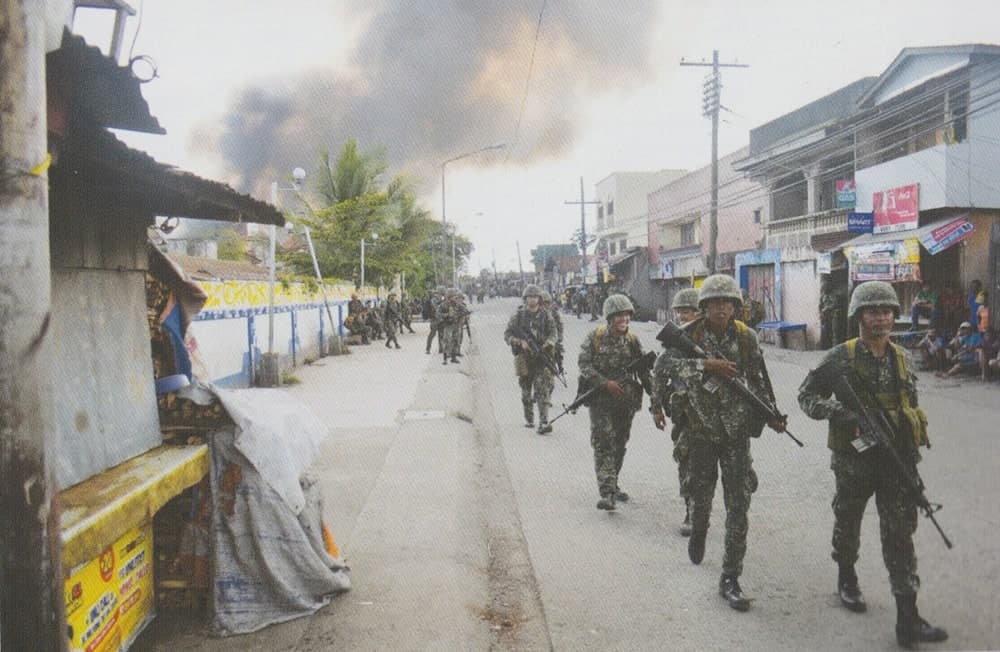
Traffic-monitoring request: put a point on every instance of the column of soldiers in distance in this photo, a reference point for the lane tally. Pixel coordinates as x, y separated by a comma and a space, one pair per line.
713, 426
374, 323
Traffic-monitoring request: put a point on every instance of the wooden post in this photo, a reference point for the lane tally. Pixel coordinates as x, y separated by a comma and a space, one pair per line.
31, 596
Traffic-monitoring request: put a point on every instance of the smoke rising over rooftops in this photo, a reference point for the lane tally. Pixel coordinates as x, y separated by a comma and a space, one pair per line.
430, 80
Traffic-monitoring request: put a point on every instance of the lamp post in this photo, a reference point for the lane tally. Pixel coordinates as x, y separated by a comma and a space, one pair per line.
374, 237
444, 218
269, 364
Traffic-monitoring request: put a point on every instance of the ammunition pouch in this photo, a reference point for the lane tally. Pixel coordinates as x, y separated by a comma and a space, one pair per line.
914, 420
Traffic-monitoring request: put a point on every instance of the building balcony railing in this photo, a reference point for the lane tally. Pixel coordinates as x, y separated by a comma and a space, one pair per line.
797, 231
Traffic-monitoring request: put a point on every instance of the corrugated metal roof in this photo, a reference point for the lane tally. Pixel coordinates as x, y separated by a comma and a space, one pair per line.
211, 269
97, 162
97, 88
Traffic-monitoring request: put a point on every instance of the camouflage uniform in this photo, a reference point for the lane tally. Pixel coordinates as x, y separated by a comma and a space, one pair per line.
557, 320
603, 357
436, 300
449, 319
720, 425
860, 475
390, 319
534, 378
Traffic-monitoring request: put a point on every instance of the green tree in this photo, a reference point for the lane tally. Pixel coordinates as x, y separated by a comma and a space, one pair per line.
354, 207
230, 245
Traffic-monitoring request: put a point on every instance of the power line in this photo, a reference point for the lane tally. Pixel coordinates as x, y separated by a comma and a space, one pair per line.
855, 128
527, 82
748, 194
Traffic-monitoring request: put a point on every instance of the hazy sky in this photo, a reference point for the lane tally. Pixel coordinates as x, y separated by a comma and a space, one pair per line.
248, 90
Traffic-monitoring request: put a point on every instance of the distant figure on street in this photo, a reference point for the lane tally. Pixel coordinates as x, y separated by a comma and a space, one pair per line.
925, 303
390, 320
532, 327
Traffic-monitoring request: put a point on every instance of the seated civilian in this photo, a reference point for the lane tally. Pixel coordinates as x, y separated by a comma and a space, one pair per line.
925, 303
932, 351
967, 345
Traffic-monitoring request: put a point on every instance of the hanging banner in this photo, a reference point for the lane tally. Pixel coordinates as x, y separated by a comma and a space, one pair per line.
945, 236
895, 209
847, 195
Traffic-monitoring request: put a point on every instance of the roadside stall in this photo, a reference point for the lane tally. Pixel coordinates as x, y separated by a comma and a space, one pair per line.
119, 311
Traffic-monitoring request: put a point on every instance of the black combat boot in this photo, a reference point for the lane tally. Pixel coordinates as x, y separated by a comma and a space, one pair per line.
686, 525
445, 360
729, 588
911, 629
847, 588
529, 415
607, 502
620, 496
696, 546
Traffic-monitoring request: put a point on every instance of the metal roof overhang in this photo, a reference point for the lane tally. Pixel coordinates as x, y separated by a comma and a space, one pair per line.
621, 258
96, 87
100, 164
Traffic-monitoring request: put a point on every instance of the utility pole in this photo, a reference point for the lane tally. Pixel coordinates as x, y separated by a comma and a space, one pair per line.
710, 109
583, 232
519, 267
31, 591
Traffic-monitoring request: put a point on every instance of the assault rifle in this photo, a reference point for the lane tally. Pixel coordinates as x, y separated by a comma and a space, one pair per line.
536, 350
877, 431
674, 337
638, 366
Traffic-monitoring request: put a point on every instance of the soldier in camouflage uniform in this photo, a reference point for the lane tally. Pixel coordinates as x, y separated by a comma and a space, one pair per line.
557, 320
533, 376
436, 298
405, 314
685, 307
463, 325
719, 423
604, 355
391, 319
884, 380
449, 319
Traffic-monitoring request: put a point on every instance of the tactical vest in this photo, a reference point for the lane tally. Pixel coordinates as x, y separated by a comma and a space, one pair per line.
898, 407
743, 339
632, 388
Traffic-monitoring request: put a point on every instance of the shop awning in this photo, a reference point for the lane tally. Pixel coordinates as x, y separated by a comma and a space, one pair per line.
935, 236
621, 258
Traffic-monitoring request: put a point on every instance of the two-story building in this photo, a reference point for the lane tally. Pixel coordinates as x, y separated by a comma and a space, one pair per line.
622, 233
927, 158
805, 161
678, 227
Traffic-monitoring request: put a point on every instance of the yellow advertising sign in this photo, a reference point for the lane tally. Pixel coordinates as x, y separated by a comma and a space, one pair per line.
110, 599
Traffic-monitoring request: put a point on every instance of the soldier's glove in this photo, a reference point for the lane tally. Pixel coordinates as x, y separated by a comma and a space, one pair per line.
615, 389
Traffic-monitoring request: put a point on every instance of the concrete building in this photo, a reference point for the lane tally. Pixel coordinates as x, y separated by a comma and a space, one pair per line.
678, 227
622, 234
801, 158
927, 134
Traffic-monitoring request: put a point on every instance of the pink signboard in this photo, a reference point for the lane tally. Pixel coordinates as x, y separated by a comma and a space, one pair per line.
895, 209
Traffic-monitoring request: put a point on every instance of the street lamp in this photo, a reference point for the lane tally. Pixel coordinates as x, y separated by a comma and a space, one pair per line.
444, 218
374, 238
270, 366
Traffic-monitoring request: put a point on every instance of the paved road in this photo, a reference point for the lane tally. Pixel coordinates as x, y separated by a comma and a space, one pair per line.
465, 530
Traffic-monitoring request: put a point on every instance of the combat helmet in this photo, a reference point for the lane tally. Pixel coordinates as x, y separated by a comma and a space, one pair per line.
531, 290
617, 303
452, 292
686, 298
546, 296
873, 293
719, 286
